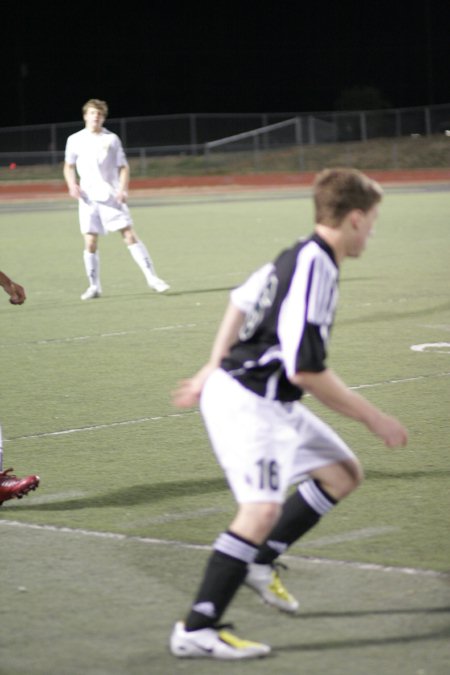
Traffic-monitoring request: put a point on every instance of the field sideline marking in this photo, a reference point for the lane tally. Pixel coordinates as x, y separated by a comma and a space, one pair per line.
96, 427
80, 338
203, 547
141, 420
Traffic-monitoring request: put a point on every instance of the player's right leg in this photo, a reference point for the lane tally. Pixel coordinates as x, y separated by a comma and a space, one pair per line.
91, 227
239, 424
91, 261
201, 635
213, 643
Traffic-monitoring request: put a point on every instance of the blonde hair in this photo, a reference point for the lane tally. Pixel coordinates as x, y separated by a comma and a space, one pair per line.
339, 191
101, 106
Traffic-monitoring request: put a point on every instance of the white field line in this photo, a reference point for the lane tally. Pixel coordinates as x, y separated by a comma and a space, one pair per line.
96, 427
142, 420
400, 381
354, 535
82, 338
113, 536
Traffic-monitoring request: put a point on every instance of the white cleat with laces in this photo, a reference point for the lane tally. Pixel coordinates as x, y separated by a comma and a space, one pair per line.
265, 580
213, 643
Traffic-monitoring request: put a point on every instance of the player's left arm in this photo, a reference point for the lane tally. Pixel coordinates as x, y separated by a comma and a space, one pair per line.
327, 387
124, 180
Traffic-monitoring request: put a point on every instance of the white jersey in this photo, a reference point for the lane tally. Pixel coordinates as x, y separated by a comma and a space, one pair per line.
98, 158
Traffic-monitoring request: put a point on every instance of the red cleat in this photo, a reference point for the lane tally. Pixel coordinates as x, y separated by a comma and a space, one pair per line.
11, 486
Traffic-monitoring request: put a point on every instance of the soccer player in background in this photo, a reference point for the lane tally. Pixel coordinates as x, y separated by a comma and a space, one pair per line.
97, 156
270, 349
11, 486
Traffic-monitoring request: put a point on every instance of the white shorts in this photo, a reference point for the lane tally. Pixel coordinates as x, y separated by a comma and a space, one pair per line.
103, 217
265, 446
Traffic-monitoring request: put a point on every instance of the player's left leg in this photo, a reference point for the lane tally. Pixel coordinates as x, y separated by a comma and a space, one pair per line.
142, 257
91, 227
328, 482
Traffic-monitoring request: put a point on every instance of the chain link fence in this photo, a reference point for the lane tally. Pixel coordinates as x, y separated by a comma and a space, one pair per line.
187, 134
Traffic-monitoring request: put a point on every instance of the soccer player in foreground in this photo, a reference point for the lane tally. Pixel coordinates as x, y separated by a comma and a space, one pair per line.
97, 155
11, 486
271, 347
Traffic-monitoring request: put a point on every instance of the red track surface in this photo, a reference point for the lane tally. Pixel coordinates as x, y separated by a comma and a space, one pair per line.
12, 191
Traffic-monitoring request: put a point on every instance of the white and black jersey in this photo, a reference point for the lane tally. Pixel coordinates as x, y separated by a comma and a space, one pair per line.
289, 306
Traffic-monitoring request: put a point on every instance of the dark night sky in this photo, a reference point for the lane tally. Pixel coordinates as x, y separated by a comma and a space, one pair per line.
180, 57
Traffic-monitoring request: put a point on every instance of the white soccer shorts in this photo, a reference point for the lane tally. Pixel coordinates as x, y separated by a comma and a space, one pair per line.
103, 217
265, 446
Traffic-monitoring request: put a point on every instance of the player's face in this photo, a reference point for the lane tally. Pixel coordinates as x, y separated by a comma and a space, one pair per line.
93, 119
364, 227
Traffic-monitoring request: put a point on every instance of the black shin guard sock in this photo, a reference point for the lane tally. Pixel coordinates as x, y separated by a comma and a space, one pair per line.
297, 517
222, 578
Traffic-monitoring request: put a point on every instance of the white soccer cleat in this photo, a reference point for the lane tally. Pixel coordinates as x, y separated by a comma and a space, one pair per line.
157, 284
213, 643
91, 293
265, 580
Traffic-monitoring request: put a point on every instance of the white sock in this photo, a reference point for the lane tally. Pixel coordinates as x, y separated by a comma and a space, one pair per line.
142, 257
92, 266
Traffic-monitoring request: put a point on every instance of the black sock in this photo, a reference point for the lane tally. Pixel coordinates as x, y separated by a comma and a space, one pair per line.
301, 511
224, 574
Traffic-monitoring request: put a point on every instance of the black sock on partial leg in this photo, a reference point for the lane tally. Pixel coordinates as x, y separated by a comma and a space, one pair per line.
301, 512
224, 574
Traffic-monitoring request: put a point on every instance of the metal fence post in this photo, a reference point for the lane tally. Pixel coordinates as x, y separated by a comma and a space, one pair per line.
427, 121
255, 152
142, 161
363, 123
53, 147
299, 143
398, 123
193, 132
312, 135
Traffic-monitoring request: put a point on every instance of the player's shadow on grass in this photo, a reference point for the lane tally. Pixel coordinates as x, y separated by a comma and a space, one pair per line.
195, 291
348, 614
376, 474
357, 643
132, 495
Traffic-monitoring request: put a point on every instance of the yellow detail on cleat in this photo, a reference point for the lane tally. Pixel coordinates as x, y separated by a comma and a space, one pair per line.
278, 589
236, 642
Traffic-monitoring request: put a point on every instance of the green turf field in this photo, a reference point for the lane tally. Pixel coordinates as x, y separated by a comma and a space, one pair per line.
106, 555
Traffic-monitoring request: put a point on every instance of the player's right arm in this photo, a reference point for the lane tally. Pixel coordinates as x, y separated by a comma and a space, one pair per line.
188, 391
70, 177
243, 298
330, 390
